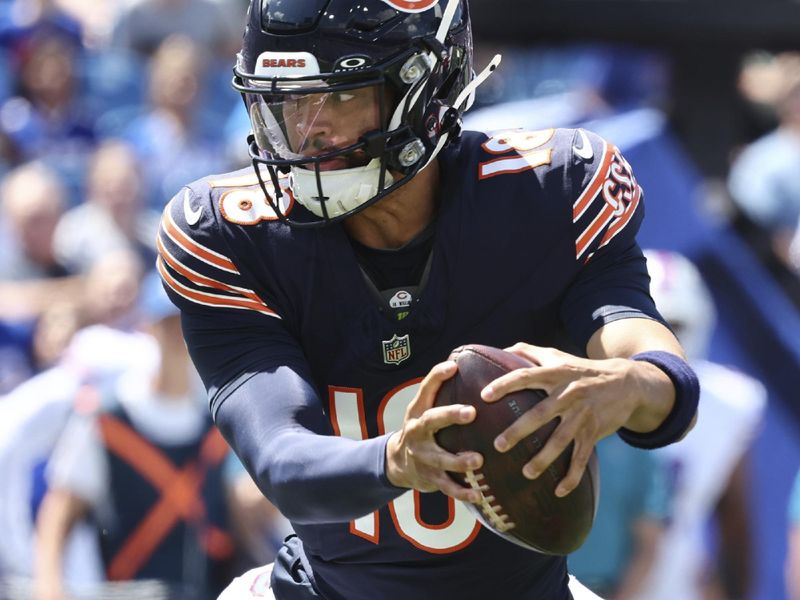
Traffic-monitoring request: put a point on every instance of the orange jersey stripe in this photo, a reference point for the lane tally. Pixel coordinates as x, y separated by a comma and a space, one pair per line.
585, 239
591, 191
623, 220
201, 280
210, 299
189, 245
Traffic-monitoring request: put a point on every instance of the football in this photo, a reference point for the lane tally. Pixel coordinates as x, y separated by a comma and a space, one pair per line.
523, 511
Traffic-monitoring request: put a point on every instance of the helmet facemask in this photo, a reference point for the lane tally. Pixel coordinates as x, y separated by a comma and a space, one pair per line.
334, 145
347, 136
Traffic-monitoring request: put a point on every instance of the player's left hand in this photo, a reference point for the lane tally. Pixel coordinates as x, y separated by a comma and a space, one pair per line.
592, 398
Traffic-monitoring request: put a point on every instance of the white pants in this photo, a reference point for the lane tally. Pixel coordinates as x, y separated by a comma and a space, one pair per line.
255, 584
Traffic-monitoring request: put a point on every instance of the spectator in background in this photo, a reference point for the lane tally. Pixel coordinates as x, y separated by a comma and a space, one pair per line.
145, 25
32, 18
793, 557
46, 119
618, 555
112, 289
763, 180
152, 435
173, 139
32, 201
708, 468
114, 215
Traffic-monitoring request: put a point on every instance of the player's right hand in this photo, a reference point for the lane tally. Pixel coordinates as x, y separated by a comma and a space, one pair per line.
414, 459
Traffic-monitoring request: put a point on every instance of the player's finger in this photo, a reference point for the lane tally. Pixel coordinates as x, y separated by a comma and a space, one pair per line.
430, 385
556, 444
455, 490
439, 417
530, 421
535, 378
581, 454
533, 353
433, 456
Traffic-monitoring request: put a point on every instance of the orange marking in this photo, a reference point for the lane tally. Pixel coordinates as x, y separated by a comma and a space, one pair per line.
624, 219
199, 279
531, 160
503, 142
192, 247
180, 497
210, 299
589, 234
422, 546
595, 184
451, 512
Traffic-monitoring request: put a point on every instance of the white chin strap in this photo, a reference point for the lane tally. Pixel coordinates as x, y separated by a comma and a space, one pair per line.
345, 189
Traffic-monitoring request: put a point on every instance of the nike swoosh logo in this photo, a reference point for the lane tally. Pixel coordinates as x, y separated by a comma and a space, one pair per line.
191, 215
585, 151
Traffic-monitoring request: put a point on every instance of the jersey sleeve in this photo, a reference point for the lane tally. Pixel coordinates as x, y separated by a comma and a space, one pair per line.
612, 281
195, 261
260, 387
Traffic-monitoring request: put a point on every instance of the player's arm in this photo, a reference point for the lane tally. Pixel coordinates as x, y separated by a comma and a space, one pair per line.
61, 510
649, 398
266, 406
262, 393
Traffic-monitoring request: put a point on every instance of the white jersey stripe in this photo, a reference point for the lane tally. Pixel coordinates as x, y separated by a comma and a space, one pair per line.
207, 299
590, 192
199, 279
188, 245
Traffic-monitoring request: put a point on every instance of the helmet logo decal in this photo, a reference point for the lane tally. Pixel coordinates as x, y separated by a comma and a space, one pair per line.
411, 6
286, 64
353, 63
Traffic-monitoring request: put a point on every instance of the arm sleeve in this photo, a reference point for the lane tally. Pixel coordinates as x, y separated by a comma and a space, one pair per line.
265, 405
612, 281
260, 388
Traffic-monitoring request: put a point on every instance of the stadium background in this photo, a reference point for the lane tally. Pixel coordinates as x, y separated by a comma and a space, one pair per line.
669, 73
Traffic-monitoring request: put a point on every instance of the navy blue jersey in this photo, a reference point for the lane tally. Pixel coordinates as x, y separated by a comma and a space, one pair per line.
533, 241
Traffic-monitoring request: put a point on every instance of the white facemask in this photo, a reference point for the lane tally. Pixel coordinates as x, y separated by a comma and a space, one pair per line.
346, 189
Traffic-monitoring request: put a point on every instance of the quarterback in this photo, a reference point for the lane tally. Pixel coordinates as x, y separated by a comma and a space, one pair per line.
322, 289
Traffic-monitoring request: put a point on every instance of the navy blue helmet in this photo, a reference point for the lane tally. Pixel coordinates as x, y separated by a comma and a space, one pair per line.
349, 99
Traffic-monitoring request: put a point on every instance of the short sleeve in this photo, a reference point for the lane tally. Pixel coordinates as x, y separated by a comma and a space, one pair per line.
195, 262
612, 281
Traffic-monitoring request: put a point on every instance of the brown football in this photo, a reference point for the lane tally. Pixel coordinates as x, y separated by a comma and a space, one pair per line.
523, 511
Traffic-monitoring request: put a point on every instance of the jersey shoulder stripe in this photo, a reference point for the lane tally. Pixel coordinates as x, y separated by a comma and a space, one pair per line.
193, 260
610, 200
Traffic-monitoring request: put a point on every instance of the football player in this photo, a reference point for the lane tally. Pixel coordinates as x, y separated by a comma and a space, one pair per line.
709, 468
322, 290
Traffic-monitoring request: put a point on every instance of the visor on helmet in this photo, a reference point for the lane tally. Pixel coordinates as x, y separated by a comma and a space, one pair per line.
323, 127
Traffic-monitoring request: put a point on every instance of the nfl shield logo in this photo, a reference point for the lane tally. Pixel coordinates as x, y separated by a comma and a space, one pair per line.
396, 350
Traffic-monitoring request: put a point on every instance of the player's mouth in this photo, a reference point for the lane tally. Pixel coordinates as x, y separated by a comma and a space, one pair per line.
351, 160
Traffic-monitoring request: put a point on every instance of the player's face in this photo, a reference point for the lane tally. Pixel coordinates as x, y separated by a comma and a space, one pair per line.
320, 123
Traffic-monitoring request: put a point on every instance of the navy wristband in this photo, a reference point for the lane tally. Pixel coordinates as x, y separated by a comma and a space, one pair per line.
687, 395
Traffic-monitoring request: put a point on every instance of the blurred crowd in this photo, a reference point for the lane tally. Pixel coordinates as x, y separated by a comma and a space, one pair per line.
111, 469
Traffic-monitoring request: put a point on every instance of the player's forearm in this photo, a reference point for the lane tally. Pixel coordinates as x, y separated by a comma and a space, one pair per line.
276, 427
663, 386
656, 397
58, 514
319, 479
